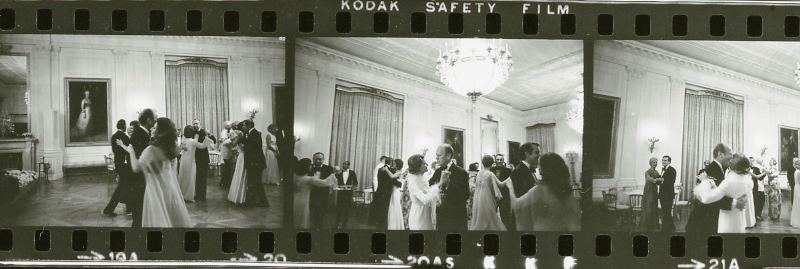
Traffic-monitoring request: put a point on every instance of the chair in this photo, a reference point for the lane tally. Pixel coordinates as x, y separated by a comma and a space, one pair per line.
576, 191
214, 163
677, 205
358, 198
110, 169
610, 200
635, 202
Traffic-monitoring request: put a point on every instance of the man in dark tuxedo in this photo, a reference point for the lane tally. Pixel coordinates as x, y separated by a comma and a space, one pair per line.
523, 177
318, 200
451, 214
123, 169
705, 217
346, 181
140, 140
503, 173
201, 160
666, 193
379, 208
254, 164
758, 187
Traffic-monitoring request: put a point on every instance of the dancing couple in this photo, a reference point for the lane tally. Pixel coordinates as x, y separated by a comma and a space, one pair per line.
722, 194
246, 184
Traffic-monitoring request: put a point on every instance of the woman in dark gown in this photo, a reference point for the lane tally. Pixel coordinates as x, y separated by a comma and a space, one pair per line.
650, 197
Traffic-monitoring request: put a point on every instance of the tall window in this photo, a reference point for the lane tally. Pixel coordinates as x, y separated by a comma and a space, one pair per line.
367, 124
489, 137
710, 117
605, 111
197, 88
544, 135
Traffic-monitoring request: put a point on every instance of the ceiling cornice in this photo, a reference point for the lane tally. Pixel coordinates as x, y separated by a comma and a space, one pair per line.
651, 51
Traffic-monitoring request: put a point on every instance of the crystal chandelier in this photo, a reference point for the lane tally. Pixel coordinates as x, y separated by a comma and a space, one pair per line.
575, 112
474, 67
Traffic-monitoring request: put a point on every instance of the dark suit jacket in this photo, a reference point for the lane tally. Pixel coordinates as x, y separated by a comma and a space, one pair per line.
254, 159
714, 170
319, 195
667, 188
503, 173
201, 157
451, 215
121, 157
351, 179
140, 139
757, 180
522, 179
790, 176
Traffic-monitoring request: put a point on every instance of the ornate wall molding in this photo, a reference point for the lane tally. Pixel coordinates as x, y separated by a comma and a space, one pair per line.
650, 51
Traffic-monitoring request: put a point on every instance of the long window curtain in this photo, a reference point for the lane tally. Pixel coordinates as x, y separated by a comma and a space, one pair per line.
489, 137
710, 118
197, 88
544, 135
367, 124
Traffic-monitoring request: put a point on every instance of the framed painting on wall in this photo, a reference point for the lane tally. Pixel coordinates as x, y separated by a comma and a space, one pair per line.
455, 138
87, 112
513, 152
788, 147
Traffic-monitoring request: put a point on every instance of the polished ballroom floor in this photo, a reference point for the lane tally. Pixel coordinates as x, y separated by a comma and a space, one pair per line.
622, 221
77, 201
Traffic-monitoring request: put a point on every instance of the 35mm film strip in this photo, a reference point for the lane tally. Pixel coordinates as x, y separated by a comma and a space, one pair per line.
397, 134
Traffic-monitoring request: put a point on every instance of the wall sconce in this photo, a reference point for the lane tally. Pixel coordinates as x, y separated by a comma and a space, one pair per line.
653, 141
763, 150
572, 157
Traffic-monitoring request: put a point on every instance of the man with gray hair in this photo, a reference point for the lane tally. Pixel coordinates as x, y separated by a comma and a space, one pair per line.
452, 212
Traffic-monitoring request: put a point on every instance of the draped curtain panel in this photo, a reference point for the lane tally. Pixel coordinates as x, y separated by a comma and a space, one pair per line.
710, 118
489, 137
197, 88
367, 124
544, 135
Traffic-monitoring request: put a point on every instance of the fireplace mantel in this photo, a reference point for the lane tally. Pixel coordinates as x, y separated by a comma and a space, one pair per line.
23, 146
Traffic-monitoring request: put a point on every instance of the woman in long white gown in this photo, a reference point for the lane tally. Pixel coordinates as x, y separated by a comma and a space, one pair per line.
395, 212
82, 125
484, 203
424, 198
163, 205
302, 191
187, 170
794, 219
272, 172
238, 189
737, 184
548, 206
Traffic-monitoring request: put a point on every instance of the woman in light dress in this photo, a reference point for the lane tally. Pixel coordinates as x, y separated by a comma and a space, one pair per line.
83, 123
424, 198
238, 189
738, 183
395, 212
548, 206
163, 205
187, 169
794, 219
272, 173
484, 205
302, 190
650, 211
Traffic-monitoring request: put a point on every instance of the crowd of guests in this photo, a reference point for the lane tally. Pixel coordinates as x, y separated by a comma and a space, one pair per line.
536, 195
730, 196
161, 167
